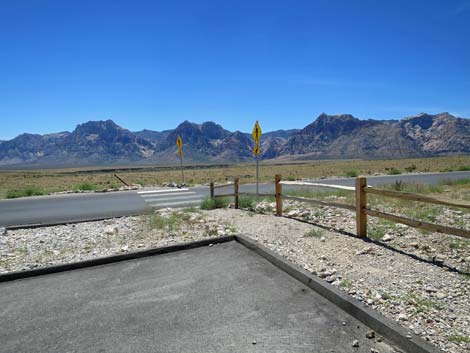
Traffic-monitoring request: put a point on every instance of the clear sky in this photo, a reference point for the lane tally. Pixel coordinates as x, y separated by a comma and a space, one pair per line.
152, 64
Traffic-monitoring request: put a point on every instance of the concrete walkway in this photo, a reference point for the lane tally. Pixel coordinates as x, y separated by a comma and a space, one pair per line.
220, 298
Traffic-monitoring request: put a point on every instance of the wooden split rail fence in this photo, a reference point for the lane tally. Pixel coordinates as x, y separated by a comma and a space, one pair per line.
361, 208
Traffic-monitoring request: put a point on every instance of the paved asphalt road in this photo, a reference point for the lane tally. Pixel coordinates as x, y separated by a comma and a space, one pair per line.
79, 207
223, 298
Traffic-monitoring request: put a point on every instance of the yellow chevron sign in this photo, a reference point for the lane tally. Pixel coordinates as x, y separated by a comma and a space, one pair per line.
256, 133
179, 142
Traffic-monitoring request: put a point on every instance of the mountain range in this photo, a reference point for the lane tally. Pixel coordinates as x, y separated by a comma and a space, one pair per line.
327, 137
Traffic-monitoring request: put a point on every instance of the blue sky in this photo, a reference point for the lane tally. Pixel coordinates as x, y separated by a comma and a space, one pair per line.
153, 64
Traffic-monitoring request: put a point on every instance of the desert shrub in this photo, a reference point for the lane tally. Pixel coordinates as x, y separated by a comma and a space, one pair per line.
31, 191
352, 173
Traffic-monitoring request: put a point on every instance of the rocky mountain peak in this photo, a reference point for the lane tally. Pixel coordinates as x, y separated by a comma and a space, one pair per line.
213, 130
331, 126
96, 127
328, 136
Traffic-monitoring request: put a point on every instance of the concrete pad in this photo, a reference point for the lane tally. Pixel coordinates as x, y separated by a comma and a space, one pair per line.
220, 298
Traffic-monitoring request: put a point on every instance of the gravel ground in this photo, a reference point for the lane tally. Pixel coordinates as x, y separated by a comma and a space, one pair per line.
416, 279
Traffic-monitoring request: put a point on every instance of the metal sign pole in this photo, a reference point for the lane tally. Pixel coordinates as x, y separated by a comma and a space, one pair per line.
182, 169
257, 175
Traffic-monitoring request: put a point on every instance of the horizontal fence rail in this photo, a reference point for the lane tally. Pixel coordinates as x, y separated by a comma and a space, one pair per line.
362, 211
420, 224
416, 197
223, 185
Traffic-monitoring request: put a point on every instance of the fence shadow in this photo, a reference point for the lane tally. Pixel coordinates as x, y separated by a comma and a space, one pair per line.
383, 245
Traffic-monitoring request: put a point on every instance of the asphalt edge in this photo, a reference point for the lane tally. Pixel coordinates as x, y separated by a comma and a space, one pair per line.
12, 276
379, 323
77, 221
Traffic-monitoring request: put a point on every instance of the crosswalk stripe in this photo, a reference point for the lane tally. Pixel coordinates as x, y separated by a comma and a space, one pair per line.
173, 203
169, 194
199, 197
162, 191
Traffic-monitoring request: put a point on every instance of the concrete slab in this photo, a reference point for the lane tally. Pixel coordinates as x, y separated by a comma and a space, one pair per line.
222, 298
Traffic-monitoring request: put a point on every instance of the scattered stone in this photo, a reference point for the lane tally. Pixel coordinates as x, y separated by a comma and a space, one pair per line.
111, 230
438, 259
402, 317
3, 231
387, 237
366, 250
355, 343
370, 334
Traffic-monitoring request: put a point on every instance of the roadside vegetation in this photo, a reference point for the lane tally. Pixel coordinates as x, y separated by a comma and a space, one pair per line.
29, 191
86, 187
53, 180
212, 204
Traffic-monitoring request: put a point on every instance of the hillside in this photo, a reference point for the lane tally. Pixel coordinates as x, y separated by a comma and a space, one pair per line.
328, 136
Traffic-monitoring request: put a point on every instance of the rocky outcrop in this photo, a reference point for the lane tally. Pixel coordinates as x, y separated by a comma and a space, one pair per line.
328, 136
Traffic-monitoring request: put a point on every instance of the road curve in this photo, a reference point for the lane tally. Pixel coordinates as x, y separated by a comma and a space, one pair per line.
92, 206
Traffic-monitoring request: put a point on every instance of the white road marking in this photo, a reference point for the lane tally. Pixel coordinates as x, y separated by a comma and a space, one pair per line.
170, 204
163, 194
198, 197
160, 191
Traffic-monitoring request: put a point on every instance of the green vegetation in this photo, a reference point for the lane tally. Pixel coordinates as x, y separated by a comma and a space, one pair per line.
171, 222
191, 209
460, 244
217, 202
314, 233
85, 187
345, 283
464, 168
352, 173
247, 202
377, 231
394, 171
422, 304
31, 191
459, 339
418, 188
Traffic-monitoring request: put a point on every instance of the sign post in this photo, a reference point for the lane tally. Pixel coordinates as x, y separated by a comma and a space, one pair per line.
256, 151
179, 143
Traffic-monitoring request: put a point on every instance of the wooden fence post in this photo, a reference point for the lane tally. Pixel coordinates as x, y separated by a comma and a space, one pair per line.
361, 204
212, 190
278, 195
235, 192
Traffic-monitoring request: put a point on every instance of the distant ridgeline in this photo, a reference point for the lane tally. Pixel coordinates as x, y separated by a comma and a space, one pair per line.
328, 137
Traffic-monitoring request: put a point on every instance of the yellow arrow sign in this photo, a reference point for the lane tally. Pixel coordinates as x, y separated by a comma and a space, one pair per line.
256, 150
256, 133
179, 142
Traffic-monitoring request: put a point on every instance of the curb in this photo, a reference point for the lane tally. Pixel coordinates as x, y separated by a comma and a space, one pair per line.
64, 223
13, 276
